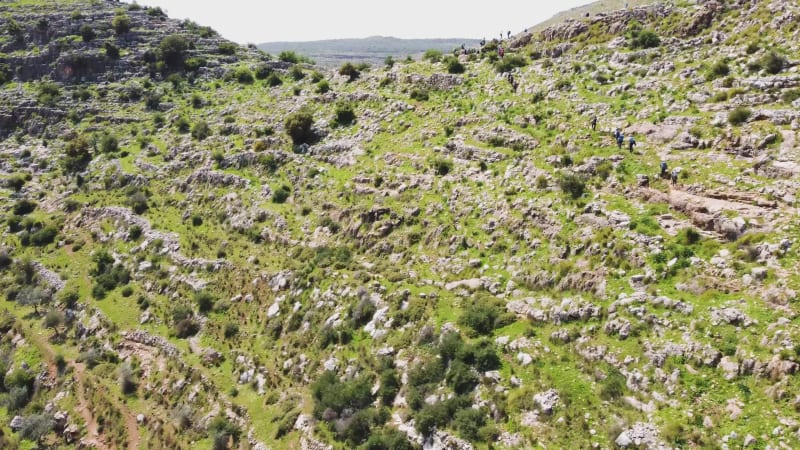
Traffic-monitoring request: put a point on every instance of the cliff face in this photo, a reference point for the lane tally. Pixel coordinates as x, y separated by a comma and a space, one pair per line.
205, 246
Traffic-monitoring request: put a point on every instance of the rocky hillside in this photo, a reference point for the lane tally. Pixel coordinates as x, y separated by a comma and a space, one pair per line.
204, 246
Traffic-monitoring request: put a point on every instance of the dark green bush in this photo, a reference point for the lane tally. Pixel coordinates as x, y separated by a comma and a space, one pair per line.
297, 73
454, 66
718, 70
121, 23
481, 315
644, 39
201, 130
345, 115
262, 71
227, 48
289, 56
442, 167
332, 394
432, 55
108, 143
419, 95
172, 50
573, 185
350, 71
23, 207
468, 422
739, 115
773, 63
87, 33
205, 301
243, 75
281, 194
510, 62
323, 86
273, 80
298, 127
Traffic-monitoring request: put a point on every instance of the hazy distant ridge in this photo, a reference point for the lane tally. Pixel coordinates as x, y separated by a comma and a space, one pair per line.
371, 49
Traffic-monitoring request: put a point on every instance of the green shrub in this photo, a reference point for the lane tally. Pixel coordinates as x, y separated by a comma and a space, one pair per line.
201, 130
345, 115
205, 301
262, 71
297, 73
510, 62
138, 202
481, 315
432, 55
23, 207
644, 39
332, 394
419, 95
87, 33
573, 185
172, 50
108, 143
752, 48
468, 422
273, 80
454, 66
182, 124
281, 194
323, 86
121, 23
227, 48
739, 115
773, 63
613, 386
790, 95
299, 127
388, 439
243, 75
461, 378
442, 167
350, 71
718, 70
289, 56
48, 93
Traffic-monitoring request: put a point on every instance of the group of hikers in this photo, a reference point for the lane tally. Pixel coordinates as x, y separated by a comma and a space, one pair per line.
619, 137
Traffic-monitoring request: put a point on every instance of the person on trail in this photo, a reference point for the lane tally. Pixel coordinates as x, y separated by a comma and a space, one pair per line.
483, 42
594, 123
631, 143
509, 35
663, 169
674, 176
620, 139
501, 52
514, 86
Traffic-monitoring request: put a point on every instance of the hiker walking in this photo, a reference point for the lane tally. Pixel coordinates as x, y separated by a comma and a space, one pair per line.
594, 123
483, 42
674, 176
663, 169
509, 35
631, 143
620, 139
501, 51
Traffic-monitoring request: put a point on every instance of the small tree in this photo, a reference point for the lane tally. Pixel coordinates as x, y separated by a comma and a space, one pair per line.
298, 127
34, 296
173, 49
350, 71
432, 55
289, 56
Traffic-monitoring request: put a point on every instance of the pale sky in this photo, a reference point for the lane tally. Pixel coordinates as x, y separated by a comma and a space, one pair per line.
252, 21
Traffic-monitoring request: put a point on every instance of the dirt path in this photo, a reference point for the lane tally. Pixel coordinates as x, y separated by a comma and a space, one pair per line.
93, 436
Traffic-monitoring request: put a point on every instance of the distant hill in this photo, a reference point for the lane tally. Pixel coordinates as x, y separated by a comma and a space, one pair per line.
372, 50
